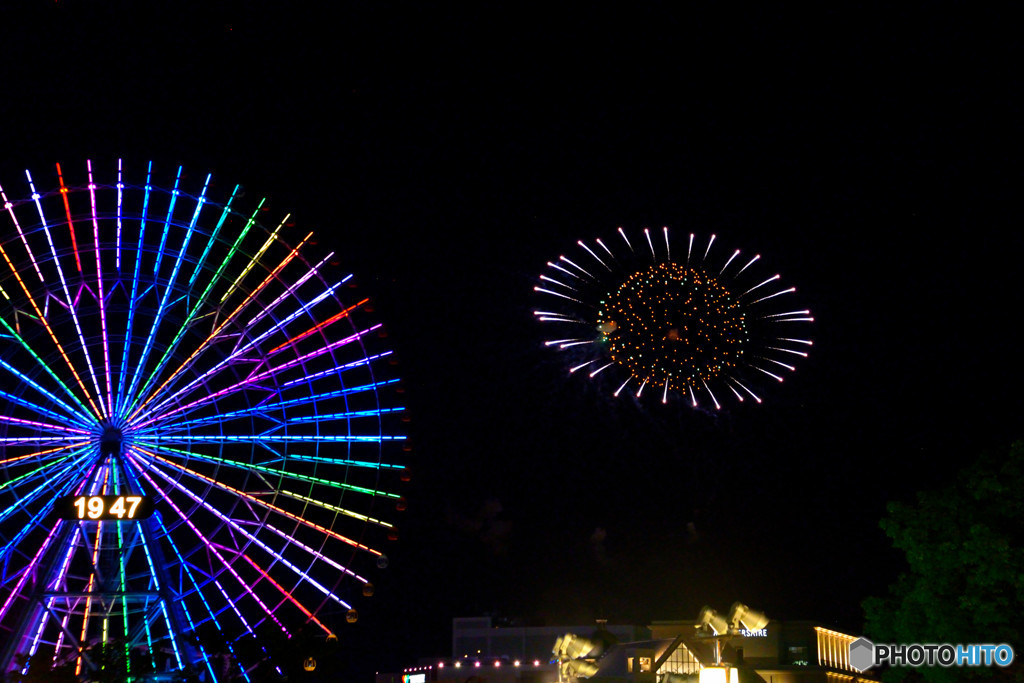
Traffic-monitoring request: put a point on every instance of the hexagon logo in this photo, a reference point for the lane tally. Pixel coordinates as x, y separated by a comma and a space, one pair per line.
862, 654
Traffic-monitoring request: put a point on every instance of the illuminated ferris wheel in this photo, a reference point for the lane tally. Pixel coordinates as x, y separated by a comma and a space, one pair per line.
199, 431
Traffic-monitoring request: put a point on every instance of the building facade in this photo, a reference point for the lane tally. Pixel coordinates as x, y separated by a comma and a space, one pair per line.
663, 652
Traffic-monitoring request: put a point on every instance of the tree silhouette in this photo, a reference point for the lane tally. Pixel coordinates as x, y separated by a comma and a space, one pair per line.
964, 546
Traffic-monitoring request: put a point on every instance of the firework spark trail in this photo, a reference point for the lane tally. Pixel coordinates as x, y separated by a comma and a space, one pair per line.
596, 257
683, 327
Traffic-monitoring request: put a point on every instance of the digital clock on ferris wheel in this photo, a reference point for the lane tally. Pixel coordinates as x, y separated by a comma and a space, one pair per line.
118, 508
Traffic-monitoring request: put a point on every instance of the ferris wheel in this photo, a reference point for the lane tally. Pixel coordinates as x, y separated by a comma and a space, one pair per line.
200, 433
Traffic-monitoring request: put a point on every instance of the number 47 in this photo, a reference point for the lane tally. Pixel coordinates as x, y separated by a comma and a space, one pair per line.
118, 508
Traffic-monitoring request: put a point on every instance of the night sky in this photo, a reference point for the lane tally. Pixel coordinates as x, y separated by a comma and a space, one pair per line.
447, 154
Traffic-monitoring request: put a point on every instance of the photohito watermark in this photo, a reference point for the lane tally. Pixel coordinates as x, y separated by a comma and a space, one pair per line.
864, 654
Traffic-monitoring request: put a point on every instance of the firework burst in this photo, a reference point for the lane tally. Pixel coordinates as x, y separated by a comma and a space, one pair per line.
665, 320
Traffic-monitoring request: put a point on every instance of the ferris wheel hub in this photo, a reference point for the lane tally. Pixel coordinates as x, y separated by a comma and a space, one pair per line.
111, 441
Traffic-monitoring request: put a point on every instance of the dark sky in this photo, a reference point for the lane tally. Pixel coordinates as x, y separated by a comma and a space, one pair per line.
448, 153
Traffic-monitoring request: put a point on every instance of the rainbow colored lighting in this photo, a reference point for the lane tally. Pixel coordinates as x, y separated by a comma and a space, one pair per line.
165, 343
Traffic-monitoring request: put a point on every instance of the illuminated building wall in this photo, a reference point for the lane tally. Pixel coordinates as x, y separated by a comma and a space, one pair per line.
478, 636
664, 652
782, 652
502, 653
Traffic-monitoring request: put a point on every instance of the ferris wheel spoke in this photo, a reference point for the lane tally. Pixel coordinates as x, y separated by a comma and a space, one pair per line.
344, 461
327, 418
239, 308
340, 510
167, 222
235, 285
336, 370
55, 430
253, 538
21, 234
41, 317
184, 327
302, 360
213, 548
67, 213
197, 589
154, 578
282, 475
169, 286
225, 212
291, 342
70, 303
290, 292
268, 410
254, 379
315, 554
278, 438
81, 417
239, 352
28, 571
248, 326
43, 472
49, 454
134, 296
163, 344
5, 553
216, 548
157, 459
285, 594
202, 299
280, 324
102, 298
